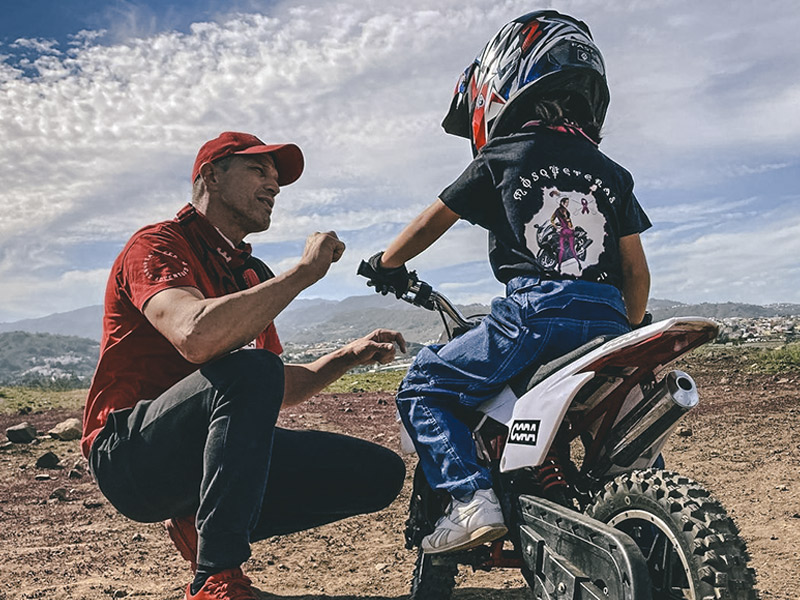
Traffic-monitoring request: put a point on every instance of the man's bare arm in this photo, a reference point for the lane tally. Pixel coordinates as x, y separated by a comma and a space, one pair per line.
204, 328
635, 277
303, 381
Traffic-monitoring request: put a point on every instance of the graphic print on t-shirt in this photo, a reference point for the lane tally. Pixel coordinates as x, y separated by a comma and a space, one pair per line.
567, 235
163, 265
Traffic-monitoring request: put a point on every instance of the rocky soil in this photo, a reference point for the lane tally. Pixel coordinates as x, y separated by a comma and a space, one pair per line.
60, 539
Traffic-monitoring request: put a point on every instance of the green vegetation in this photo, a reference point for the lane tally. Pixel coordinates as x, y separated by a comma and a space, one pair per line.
768, 358
374, 381
776, 360
23, 400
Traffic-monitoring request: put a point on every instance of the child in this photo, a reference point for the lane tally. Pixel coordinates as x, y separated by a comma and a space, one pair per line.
532, 104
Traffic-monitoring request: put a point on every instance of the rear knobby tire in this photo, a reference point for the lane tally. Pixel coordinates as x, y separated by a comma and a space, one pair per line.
691, 545
432, 581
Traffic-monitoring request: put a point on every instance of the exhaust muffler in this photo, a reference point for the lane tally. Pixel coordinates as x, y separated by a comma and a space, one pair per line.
650, 419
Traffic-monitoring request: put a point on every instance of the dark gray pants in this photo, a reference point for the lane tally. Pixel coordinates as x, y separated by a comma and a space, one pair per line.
209, 447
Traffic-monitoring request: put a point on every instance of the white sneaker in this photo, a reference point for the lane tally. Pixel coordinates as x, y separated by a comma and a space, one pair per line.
467, 524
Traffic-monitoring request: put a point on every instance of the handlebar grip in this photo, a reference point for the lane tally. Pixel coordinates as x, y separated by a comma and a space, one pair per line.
423, 296
365, 270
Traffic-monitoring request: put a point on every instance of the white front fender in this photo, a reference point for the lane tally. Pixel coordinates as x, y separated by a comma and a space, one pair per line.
536, 418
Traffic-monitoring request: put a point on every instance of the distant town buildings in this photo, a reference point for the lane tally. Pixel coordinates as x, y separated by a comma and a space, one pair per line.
732, 330
739, 330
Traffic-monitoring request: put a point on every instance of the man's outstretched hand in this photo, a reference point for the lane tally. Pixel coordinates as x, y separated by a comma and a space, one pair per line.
378, 346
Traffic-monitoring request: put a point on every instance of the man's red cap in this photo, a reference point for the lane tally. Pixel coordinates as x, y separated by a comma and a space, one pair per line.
288, 157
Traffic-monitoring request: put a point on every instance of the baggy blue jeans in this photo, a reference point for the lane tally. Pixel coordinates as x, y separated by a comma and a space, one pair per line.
208, 447
537, 321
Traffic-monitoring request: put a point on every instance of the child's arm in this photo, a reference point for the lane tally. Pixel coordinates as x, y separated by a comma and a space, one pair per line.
635, 277
418, 235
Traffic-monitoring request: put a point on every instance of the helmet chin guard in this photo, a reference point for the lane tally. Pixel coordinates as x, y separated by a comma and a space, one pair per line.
537, 54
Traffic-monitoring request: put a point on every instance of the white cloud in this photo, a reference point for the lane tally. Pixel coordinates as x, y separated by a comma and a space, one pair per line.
756, 264
42, 46
25, 296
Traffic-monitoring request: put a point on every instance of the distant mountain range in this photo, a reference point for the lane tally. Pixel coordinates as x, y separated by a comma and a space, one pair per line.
65, 345
308, 321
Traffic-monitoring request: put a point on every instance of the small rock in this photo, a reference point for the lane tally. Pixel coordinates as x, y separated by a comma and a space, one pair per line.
120, 594
92, 503
78, 469
782, 488
66, 431
137, 537
24, 433
48, 460
6, 445
59, 494
684, 431
42, 477
381, 566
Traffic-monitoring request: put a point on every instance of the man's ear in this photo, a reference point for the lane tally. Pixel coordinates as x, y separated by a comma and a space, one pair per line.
208, 172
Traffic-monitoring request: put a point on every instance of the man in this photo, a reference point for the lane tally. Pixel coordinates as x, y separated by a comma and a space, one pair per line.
180, 419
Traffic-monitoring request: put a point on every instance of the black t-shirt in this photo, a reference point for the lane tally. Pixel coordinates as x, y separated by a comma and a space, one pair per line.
554, 205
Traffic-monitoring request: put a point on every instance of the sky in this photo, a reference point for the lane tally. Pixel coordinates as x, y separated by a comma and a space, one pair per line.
103, 106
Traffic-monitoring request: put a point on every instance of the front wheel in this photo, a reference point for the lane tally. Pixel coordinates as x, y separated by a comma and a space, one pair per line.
691, 545
432, 580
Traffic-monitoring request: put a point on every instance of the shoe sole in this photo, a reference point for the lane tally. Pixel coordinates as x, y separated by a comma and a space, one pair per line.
480, 536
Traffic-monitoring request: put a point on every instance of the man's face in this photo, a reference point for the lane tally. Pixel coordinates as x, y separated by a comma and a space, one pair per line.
247, 192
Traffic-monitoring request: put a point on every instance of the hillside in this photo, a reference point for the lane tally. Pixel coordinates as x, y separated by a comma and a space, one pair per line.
44, 359
83, 322
310, 321
62, 349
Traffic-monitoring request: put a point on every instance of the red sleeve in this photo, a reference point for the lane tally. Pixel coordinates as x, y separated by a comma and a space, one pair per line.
268, 339
154, 262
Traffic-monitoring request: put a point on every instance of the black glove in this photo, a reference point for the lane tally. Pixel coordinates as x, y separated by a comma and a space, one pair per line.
385, 280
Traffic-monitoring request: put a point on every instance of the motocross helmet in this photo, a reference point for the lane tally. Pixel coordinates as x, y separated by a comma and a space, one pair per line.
540, 53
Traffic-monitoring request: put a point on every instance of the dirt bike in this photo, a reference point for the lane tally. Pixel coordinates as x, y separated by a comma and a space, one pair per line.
549, 243
574, 446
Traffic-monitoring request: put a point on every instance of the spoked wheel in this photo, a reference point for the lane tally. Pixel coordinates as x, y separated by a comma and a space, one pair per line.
692, 547
433, 579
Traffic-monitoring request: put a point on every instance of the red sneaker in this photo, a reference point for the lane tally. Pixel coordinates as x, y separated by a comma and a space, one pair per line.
183, 533
230, 584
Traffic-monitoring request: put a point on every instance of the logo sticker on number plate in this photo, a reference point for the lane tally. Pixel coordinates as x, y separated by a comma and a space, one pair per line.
525, 432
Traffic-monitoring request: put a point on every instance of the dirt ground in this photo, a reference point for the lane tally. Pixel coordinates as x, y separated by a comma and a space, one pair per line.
60, 539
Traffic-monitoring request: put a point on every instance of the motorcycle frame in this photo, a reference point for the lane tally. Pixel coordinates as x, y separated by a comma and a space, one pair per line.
627, 364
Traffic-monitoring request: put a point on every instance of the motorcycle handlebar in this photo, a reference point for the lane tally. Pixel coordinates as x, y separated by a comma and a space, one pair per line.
420, 293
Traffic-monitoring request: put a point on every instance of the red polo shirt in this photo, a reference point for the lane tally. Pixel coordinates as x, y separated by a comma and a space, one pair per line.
136, 361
